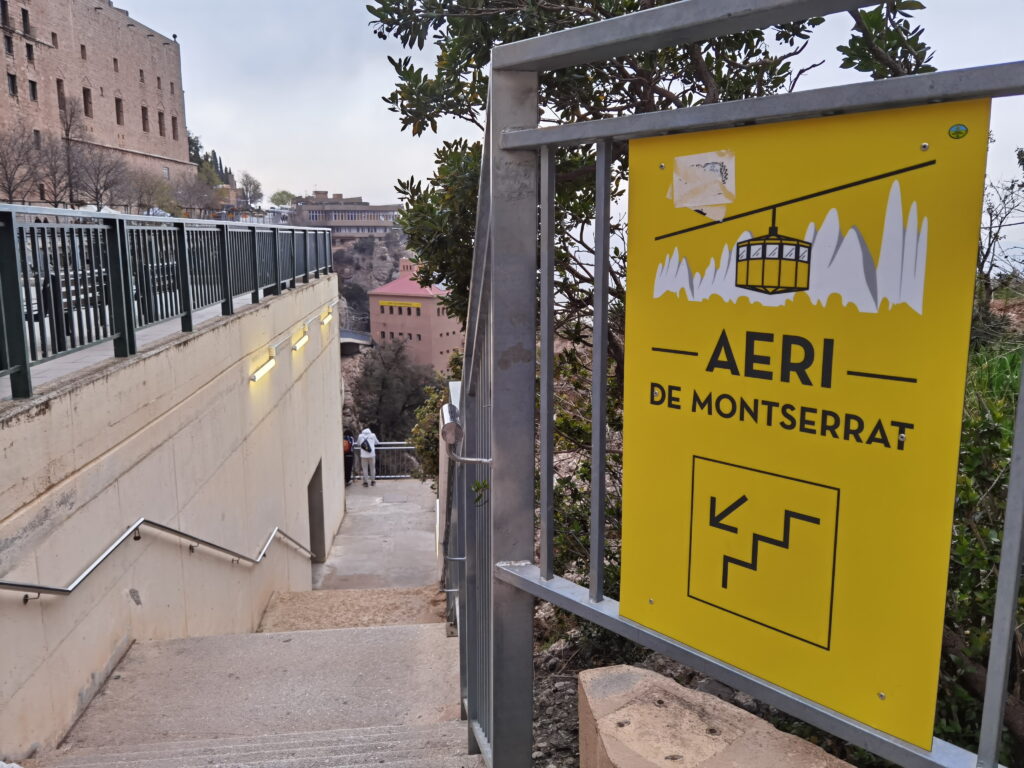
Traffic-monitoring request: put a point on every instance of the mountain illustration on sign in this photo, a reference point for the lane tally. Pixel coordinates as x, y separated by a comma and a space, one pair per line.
842, 264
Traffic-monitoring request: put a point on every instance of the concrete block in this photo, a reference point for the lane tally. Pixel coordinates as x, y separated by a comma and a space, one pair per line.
635, 718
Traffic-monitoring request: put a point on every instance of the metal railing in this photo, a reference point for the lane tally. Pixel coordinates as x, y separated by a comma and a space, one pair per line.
134, 531
70, 279
395, 461
490, 558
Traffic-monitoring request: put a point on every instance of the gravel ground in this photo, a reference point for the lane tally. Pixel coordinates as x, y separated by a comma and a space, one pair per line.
336, 608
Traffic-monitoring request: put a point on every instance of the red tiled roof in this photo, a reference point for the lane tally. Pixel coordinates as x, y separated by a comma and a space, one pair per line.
406, 286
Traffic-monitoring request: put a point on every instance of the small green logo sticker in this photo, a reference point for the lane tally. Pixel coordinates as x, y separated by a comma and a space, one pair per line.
957, 131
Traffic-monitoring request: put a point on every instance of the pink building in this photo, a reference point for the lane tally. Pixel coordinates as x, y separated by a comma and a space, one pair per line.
404, 310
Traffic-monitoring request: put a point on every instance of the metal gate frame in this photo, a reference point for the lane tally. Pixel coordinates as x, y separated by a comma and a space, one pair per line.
493, 502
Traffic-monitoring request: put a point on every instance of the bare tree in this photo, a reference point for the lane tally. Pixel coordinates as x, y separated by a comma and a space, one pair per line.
195, 195
99, 172
72, 130
17, 163
252, 190
1003, 207
52, 171
144, 191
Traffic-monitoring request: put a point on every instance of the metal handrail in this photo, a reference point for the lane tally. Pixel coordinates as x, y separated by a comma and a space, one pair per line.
196, 541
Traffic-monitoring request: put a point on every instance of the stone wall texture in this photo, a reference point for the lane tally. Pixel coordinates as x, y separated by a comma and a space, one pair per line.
147, 74
177, 434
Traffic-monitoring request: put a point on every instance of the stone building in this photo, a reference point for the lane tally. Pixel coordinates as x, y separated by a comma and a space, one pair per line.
404, 310
87, 55
348, 217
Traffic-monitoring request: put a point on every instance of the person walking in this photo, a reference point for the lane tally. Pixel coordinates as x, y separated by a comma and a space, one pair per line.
348, 444
367, 442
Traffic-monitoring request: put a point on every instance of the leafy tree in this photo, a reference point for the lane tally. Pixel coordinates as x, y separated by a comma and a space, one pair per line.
389, 389
195, 148
282, 198
425, 434
252, 190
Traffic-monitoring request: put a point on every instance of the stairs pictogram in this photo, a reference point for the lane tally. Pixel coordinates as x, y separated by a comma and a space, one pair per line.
759, 539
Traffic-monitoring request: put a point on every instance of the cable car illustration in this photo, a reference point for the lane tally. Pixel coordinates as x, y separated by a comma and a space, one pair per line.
773, 263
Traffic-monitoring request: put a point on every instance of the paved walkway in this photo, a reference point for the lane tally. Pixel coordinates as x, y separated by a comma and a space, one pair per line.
386, 540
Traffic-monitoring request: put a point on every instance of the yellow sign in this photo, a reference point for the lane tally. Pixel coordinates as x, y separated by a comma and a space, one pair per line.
798, 311
415, 304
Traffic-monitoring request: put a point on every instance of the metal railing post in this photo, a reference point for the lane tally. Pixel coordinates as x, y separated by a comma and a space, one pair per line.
184, 279
227, 305
305, 257
295, 259
118, 264
1004, 622
255, 266
13, 318
513, 319
277, 263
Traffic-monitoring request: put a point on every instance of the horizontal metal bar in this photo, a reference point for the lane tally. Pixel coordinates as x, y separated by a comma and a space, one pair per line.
42, 589
956, 85
575, 599
680, 23
37, 210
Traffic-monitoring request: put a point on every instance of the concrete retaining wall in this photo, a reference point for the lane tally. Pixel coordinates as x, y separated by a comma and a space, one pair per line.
177, 434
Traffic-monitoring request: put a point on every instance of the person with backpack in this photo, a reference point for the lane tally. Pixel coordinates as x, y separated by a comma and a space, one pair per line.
367, 442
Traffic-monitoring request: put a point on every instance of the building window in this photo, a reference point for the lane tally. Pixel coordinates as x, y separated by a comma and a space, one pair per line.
142, 75
160, 123
8, 45
12, 85
167, 172
82, 49
159, 83
5, 13
174, 127
61, 102
33, 90
417, 311
30, 52
42, 192
87, 101
119, 111
37, 139
53, 40
172, 87
26, 25
391, 310
392, 334
419, 337
117, 66
382, 334
382, 309
145, 119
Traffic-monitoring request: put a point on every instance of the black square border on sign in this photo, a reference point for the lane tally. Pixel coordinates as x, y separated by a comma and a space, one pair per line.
835, 546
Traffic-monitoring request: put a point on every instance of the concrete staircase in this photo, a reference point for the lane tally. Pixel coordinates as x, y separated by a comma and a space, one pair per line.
381, 696
410, 746
377, 688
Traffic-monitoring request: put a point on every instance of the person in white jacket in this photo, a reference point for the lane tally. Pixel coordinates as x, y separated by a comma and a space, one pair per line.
367, 445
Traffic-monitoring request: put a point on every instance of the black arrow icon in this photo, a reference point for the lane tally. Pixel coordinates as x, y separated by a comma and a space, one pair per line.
716, 519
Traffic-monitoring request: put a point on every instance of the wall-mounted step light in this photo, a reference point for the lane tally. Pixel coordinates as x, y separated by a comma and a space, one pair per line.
303, 340
264, 369
326, 319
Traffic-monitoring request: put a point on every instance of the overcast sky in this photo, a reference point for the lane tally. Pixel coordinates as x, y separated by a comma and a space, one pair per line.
291, 92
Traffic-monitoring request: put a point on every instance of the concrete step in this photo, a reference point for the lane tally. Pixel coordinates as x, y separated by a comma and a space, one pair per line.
247, 686
408, 742
336, 608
